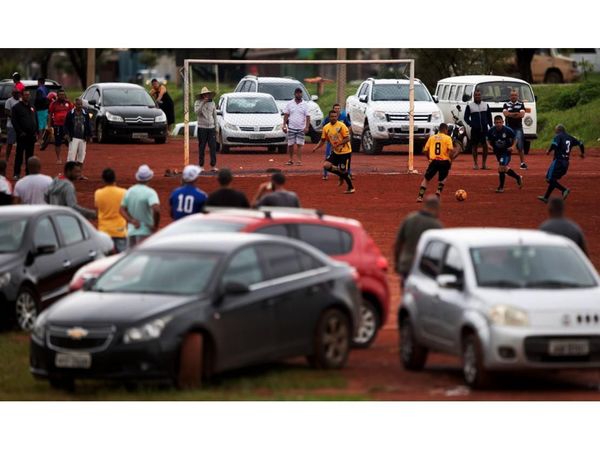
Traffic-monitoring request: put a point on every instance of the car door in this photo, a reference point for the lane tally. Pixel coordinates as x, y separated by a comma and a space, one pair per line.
357, 116
51, 270
79, 245
244, 327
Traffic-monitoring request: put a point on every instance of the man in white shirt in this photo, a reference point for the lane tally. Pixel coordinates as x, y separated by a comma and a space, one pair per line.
296, 121
30, 189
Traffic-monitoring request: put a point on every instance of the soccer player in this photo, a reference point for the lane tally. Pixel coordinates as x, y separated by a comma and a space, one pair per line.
337, 134
440, 151
561, 146
187, 199
342, 117
501, 140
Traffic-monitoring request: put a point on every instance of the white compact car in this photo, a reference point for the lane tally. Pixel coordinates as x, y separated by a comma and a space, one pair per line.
503, 299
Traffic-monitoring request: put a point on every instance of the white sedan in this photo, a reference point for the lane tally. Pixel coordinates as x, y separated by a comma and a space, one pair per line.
502, 299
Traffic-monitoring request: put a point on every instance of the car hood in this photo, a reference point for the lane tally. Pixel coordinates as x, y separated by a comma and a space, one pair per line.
402, 107
112, 308
542, 300
6, 259
254, 119
134, 111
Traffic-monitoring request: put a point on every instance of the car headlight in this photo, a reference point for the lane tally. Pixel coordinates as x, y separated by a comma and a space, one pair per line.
508, 316
436, 117
146, 332
316, 113
39, 331
4, 279
379, 115
113, 117
278, 127
161, 119
230, 126
528, 121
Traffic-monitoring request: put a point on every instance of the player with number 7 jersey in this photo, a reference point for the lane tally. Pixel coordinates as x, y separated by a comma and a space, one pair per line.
187, 199
441, 151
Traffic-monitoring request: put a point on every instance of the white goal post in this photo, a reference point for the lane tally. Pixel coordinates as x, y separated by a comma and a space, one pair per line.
337, 62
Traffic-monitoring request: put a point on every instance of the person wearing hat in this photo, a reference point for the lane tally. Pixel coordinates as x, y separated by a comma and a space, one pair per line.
187, 199
19, 86
140, 207
206, 111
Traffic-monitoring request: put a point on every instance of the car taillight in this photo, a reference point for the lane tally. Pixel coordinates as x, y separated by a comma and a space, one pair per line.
355, 275
382, 263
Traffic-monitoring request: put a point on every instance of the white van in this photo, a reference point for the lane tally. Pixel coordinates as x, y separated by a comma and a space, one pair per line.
495, 91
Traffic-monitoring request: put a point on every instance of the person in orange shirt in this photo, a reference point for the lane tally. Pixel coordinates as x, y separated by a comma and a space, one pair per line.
108, 203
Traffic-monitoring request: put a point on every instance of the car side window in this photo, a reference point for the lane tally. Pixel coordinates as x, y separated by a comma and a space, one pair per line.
363, 89
250, 86
240, 86
274, 230
244, 268
459, 92
451, 94
45, 234
453, 264
280, 260
329, 240
70, 228
368, 91
445, 92
430, 261
307, 261
95, 95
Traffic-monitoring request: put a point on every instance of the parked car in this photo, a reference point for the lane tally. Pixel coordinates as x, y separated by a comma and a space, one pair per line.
379, 115
588, 56
41, 247
503, 300
550, 66
186, 307
124, 110
342, 239
282, 89
6, 88
455, 93
250, 119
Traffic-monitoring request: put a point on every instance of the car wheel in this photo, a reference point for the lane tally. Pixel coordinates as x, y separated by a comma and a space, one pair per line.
418, 147
315, 136
225, 148
191, 364
369, 325
160, 140
63, 384
412, 354
370, 145
332, 340
282, 149
271, 149
101, 134
26, 308
553, 77
474, 373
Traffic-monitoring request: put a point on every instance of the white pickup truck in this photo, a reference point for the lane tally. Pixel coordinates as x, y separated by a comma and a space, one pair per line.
379, 114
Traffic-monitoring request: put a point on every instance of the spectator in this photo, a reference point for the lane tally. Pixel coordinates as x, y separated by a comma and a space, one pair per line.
24, 121
78, 131
58, 114
6, 190
559, 224
278, 195
296, 121
225, 195
41, 104
206, 111
165, 102
187, 199
30, 189
413, 226
514, 111
141, 207
107, 201
62, 191
479, 117
19, 86
11, 136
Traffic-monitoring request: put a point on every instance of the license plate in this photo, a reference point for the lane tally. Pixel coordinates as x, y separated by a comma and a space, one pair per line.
407, 127
569, 347
73, 360
257, 136
139, 135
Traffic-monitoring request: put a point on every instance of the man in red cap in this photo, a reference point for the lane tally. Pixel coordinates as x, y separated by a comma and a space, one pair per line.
58, 113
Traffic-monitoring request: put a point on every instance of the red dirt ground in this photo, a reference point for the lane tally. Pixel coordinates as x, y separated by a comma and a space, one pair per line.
385, 194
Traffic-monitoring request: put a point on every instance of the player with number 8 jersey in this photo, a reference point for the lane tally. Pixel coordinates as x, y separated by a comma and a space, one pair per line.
441, 151
187, 199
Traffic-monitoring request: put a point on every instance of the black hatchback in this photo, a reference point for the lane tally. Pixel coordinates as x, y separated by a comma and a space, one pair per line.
185, 307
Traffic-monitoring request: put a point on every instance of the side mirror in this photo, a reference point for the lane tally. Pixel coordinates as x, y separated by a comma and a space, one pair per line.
458, 108
89, 283
314, 98
449, 281
92, 102
219, 112
436, 99
362, 98
231, 288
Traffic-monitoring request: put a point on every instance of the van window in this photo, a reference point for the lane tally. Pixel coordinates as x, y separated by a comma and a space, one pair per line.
468, 92
459, 92
499, 91
452, 92
445, 93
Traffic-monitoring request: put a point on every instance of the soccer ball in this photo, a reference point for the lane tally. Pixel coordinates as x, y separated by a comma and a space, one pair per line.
461, 195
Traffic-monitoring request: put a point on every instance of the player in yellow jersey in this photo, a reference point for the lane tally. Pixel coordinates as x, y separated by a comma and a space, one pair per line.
337, 134
440, 151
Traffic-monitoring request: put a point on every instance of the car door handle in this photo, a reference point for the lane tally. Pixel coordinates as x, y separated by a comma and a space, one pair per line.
92, 253
66, 263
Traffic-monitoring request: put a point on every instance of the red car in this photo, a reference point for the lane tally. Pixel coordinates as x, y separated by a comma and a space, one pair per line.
342, 239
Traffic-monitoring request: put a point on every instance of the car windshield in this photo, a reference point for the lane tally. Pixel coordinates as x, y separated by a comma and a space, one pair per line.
11, 234
174, 273
499, 91
198, 226
126, 97
399, 93
282, 91
251, 105
522, 266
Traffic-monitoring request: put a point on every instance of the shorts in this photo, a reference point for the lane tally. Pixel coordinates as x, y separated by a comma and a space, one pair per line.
340, 160
557, 169
478, 137
59, 136
439, 166
42, 117
503, 158
77, 149
519, 138
295, 137
11, 136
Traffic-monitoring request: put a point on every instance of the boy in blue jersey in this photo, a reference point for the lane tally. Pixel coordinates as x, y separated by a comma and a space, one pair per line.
561, 146
342, 117
501, 140
187, 199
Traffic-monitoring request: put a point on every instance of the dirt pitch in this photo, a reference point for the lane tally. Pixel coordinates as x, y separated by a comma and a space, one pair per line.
384, 195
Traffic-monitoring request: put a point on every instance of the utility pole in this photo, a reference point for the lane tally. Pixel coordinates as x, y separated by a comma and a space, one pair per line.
340, 78
91, 66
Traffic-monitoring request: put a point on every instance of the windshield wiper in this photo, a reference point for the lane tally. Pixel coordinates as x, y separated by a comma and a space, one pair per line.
554, 283
501, 283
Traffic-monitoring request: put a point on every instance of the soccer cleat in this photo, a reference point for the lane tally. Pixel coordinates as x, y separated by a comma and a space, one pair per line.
438, 194
499, 190
289, 163
542, 198
520, 182
475, 167
350, 191
214, 169
420, 199
566, 193
325, 178
298, 163
523, 166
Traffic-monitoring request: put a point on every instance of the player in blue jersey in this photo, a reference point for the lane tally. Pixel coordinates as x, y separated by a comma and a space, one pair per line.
562, 144
501, 140
187, 199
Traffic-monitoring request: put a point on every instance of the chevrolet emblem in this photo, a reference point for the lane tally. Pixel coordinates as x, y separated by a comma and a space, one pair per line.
77, 333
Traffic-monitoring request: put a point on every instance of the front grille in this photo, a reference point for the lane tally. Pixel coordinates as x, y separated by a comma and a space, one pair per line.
97, 339
256, 128
405, 131
140, 120
403, 117
242, 140
536, 349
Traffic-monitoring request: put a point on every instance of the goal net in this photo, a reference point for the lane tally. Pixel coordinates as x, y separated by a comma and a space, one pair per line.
377, 99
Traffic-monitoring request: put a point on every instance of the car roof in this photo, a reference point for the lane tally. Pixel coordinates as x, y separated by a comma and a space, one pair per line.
28, 83
273, 79
480, 79
32, 210
491, 237
393, 80
117, 85
247, 94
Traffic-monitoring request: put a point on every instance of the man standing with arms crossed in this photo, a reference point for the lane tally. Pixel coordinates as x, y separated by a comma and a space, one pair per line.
479, 117
296, 122
514, 111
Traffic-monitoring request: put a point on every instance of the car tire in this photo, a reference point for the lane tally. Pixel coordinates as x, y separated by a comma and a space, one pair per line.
271, 149
369, 325
26, 308
160, 140
63, 384
191, 366
282, 149
553, 77
225, 148
418, 147
475, 374
412, 354
355, 143
101, 133
332, 340
315, 136
370, 145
